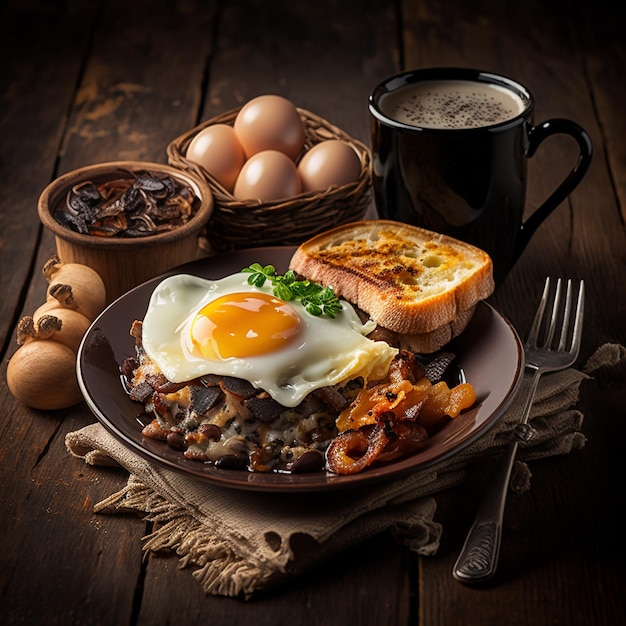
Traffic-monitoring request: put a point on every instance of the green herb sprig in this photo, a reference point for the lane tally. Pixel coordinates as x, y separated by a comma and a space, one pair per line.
316, 300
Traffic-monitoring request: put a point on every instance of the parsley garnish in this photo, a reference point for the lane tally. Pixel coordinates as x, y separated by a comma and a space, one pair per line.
316, 300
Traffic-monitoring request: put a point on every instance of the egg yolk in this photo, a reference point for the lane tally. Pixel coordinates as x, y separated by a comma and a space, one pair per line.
243, 325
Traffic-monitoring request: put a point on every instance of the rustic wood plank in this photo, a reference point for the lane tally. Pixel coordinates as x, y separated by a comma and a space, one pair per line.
602, 40
143, 109
340, 591
76, 564
558, 561
540, 46
34, 98
319, 54
38, 512
142, 83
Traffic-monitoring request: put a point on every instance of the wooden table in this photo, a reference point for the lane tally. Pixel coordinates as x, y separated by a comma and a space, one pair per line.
85, 82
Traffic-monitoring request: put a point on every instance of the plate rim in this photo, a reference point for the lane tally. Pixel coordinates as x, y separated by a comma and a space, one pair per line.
279, 482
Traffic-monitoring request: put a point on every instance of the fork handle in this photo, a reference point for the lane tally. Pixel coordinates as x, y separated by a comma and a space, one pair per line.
478, 559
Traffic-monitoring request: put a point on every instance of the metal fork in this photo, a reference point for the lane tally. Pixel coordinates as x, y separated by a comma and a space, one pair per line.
478, 559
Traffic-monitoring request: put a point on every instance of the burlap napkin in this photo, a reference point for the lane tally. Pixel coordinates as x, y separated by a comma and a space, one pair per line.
239, 543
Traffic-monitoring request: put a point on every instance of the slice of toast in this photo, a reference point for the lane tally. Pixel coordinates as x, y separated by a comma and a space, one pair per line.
407, 279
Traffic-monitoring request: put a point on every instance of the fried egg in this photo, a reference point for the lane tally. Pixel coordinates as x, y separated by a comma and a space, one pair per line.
194, 326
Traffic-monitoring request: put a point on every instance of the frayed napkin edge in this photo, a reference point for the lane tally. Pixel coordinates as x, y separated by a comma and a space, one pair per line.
177, 530
222, 572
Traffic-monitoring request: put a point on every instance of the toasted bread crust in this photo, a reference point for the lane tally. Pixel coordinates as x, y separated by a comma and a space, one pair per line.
426, 343
409, 280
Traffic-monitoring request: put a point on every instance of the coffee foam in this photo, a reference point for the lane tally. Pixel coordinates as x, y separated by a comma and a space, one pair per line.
452, 104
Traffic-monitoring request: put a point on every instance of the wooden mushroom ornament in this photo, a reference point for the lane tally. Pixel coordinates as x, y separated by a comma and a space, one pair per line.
42, 371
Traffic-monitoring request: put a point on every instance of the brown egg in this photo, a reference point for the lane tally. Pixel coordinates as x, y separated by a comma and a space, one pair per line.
270, 123
267, 175
218, 150
327, 163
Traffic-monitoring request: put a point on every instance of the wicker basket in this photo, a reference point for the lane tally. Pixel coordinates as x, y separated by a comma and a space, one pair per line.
250, 223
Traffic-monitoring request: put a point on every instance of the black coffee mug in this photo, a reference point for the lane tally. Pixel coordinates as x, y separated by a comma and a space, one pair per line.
449, 153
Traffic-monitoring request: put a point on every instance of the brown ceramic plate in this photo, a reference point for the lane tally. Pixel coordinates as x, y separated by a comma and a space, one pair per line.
489, 353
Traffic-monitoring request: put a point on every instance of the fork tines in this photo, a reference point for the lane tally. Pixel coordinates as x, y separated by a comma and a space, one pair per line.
545, 325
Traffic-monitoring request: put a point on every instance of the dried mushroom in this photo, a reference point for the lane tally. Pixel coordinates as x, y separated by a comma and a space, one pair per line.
145, 203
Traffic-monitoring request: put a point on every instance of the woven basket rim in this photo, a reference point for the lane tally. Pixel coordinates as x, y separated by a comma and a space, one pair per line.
177, 148
290, 221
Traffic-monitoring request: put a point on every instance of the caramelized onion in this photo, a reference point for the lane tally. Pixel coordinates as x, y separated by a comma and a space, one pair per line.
353, 451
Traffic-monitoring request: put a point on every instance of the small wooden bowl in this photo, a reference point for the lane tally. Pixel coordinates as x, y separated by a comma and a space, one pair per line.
124, 262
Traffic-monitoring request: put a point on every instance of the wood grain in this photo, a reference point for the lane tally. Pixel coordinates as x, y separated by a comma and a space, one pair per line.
583, 238
89, 82
34, 99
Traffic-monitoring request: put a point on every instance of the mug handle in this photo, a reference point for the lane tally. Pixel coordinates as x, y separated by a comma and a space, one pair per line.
536, 136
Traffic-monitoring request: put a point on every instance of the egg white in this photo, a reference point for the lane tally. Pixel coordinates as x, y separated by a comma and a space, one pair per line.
328, 351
